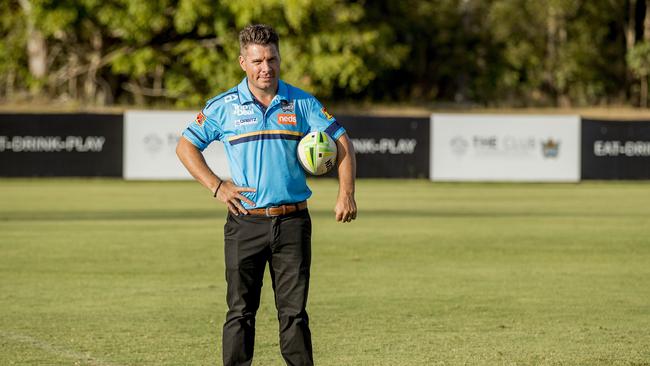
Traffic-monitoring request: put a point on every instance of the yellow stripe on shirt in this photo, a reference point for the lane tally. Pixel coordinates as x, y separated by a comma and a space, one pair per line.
266, 132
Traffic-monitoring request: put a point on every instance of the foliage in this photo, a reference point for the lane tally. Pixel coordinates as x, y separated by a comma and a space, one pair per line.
639, 59
513, 52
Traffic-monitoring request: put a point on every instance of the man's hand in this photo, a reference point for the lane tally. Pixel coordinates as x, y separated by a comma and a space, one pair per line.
346, 208
230, 194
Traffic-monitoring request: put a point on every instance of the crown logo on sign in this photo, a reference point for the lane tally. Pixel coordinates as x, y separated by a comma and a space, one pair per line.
550, 148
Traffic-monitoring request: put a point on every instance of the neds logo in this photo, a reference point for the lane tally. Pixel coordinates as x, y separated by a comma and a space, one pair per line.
287, 119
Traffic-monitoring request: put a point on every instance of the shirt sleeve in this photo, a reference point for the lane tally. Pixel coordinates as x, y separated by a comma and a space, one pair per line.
320, 120
202, 131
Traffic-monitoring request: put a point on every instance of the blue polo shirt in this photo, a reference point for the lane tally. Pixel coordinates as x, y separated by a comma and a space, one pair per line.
261, 143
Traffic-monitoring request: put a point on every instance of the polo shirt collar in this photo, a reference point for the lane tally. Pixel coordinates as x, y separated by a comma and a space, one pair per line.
245, 95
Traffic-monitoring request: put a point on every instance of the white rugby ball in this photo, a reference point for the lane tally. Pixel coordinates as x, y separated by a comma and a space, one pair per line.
317, 153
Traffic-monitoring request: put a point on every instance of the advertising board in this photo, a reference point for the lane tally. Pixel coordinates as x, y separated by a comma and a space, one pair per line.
615, 149
389, 147
150, 139
61, 145
523, 148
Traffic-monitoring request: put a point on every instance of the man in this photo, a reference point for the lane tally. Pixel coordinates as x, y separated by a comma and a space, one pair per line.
260, 122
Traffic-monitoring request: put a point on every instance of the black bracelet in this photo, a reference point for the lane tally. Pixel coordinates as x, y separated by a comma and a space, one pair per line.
217, 190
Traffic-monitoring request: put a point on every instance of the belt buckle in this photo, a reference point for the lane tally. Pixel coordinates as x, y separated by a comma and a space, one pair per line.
267, 213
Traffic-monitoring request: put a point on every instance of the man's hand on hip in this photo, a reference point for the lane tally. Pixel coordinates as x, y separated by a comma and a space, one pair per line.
230, 194
346, 208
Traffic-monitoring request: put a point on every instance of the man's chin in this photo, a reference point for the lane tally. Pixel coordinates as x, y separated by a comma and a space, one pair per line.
267, 84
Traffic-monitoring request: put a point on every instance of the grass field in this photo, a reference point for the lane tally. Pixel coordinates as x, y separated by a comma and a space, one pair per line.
107, 272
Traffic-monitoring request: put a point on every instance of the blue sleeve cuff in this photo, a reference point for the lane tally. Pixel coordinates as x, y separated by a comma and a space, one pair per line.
335, 130
194, 138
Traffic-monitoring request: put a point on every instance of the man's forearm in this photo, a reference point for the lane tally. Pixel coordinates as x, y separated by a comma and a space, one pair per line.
346, 164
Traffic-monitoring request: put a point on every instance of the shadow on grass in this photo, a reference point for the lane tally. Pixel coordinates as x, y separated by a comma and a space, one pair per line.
130, 215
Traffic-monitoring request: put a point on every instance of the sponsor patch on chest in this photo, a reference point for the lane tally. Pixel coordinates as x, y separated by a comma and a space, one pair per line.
287, 119
242, 110
246, 121
287, 107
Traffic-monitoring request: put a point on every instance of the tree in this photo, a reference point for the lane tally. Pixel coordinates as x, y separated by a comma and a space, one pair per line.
184, 51
13, 54
560, 52
638, 59
490, 52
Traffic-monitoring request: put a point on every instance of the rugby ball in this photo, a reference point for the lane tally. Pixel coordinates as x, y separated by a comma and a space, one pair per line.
317, 153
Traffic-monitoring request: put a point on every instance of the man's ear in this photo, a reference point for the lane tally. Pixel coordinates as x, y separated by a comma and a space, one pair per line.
242, 62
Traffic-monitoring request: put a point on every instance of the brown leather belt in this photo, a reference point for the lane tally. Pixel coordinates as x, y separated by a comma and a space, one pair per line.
281, 210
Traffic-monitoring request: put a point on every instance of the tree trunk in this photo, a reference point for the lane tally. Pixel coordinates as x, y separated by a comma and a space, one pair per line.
36, 45
37, 54
158, 79
564, 100
644, 91
630, 40
73, 62
551, 30
646, 22
630, 27
556, 38
94, 61
11, 81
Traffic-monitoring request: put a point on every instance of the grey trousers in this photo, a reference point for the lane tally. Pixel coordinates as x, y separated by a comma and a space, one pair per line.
285, 243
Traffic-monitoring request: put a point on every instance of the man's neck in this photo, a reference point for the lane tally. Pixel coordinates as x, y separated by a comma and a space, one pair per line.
263, 96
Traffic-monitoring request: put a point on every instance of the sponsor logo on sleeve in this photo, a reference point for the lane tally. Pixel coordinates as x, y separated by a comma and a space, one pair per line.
287, 119
200, 118
326, 114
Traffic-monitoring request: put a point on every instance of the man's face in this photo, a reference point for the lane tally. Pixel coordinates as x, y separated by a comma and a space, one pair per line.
262, 66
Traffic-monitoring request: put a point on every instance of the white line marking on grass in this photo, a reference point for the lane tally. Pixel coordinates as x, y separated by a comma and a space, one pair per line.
85, 358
